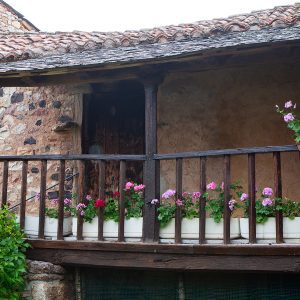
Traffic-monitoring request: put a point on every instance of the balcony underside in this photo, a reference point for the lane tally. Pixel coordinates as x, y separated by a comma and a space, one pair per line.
247, 258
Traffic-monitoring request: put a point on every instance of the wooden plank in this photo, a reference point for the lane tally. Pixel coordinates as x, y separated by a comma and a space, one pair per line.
23, 194
61, 198
43, 182
178, 213
252, 198
278, 194
4, 182
101, 194
202, 214
116, 157
82, 196
227, 212
237, 151
187, 249
122, 201
174, 262
149, 218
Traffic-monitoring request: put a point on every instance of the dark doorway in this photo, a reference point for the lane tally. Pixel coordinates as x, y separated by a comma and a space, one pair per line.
114, 123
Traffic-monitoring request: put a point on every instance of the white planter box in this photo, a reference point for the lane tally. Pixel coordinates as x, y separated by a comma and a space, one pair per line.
132, 228
190, 229
32, 226
291, 229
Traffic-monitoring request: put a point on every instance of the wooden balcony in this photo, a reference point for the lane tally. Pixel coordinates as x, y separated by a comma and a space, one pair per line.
150, 252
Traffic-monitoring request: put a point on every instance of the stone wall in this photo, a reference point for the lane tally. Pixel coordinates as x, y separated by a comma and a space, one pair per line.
38, 121
228, 108
11, 21
46, 281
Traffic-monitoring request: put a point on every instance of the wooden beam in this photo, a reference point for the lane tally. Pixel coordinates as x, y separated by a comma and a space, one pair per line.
187, 249
166, 261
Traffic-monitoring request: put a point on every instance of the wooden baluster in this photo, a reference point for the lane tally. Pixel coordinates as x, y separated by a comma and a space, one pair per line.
81, 197
278, 194
4, 182
252, 198
61, 198
178, 213
227, 212
202, 214
23, 194
101, 193
122, 201
157, 196
43, 183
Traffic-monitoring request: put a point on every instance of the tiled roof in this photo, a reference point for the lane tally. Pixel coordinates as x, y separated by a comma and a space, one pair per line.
143, 53
20, 46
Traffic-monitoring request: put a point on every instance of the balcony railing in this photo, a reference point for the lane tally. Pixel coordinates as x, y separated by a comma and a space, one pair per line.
226, 155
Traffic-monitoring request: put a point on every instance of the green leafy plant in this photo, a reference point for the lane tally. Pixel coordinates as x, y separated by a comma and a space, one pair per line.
52, 211
189, 204
134, 199
111, 211
266, 206
215, 199
289, 116
12, 256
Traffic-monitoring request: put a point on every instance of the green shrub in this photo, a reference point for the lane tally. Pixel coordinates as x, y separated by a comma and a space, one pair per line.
12, 256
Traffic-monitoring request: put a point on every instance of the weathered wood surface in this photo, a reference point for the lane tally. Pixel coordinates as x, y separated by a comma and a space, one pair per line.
42, 197
61, 198
23, 194
105, 157
178, 213
237, 151
252, 198
202, 213
227, 211
122, 201
278, 194
175, 257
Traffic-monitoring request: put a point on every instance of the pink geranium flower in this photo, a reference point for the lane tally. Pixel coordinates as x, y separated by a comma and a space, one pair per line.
211, 186
128, 185
139, 187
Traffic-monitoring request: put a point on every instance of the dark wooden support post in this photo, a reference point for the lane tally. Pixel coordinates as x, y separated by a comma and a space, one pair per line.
122, 201
101, 193
81, 197
178, 213
150, 223
23, 194
202, 214
252, 198
227, 212
278, 194
61, 198
5, 182
42, 197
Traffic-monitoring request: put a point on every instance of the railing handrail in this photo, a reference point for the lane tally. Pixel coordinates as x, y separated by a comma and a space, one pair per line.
237, 151
47, 189
34, 157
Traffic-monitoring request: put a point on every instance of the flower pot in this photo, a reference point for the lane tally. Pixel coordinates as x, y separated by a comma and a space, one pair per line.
132, 228
291, 228
32, 226
190, 229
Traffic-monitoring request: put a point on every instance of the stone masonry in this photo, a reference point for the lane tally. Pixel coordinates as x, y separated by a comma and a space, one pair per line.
46, 281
